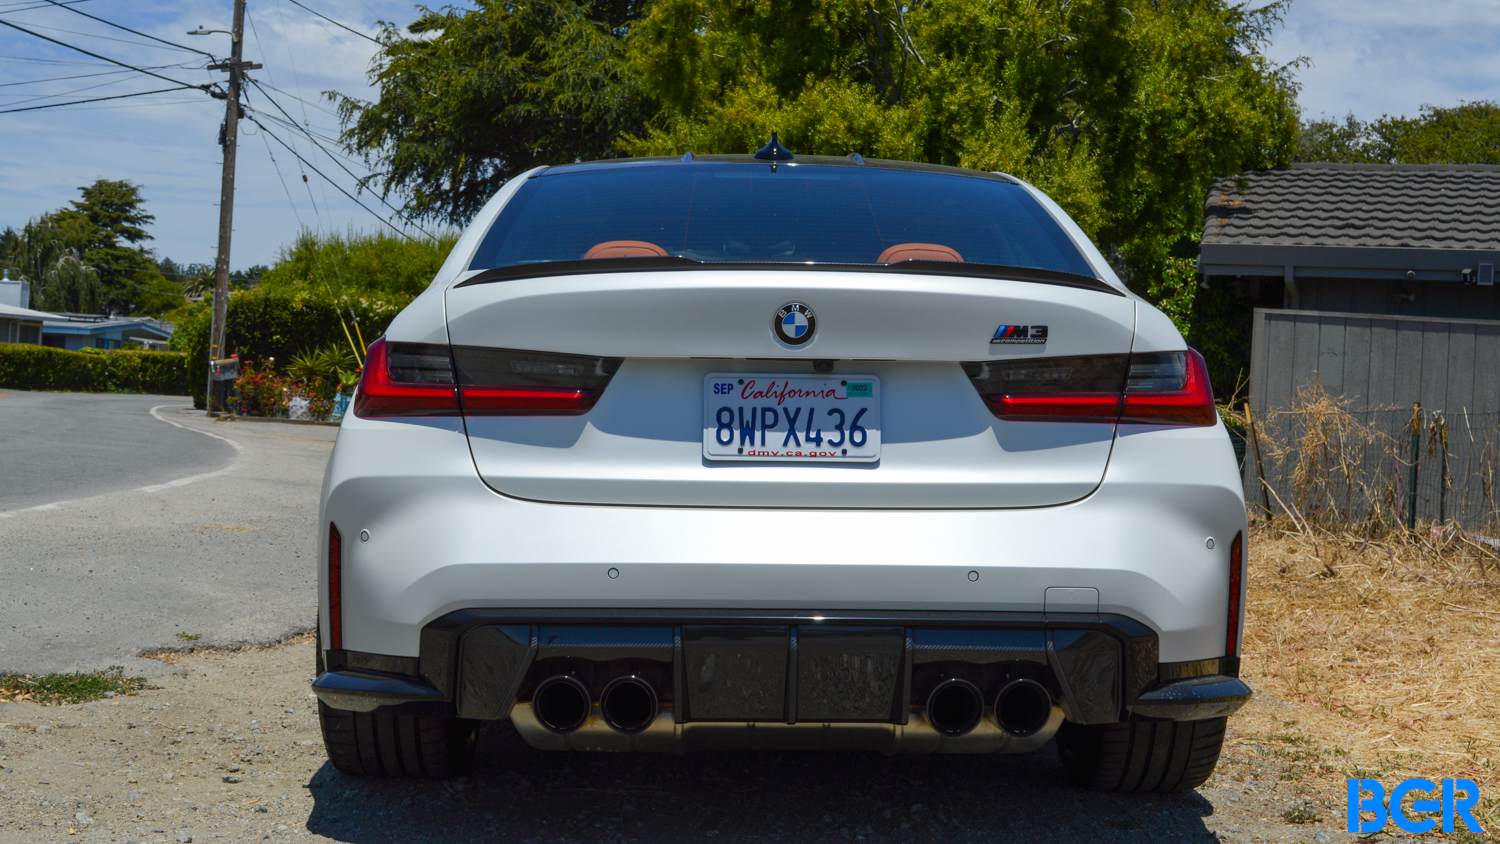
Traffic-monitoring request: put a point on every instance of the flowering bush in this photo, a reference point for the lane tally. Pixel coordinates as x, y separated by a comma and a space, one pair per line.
264, 393
259, 393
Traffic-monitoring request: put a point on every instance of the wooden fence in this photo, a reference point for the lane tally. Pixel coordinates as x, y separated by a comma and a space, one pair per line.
1376, 362
1377, 454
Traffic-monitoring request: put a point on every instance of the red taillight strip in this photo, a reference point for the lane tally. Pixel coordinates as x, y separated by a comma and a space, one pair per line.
381, 396
1192, 405
335, 587
1057, 407
523, 401
1236, 590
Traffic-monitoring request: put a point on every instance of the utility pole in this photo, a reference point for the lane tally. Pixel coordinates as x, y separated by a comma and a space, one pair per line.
236, 67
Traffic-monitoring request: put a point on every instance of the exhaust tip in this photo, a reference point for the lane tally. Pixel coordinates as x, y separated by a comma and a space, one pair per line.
955, 707
1023, 707
628, 704
561, 703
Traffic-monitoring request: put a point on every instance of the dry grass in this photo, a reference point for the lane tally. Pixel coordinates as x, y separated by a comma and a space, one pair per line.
1393, 645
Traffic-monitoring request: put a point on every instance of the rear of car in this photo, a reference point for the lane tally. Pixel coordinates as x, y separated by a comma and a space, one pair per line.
721, 452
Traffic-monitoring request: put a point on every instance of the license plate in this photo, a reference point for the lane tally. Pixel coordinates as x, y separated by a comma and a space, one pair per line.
791, 418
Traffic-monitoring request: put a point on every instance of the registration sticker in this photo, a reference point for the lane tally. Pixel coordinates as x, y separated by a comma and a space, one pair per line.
791, 418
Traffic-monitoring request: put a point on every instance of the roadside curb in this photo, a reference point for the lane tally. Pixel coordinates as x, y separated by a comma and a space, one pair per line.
217, 415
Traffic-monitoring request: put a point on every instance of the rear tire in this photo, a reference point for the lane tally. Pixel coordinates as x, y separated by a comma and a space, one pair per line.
374, 745
1141, 756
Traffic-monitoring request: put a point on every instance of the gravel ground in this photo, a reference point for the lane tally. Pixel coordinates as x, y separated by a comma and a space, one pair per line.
228, 750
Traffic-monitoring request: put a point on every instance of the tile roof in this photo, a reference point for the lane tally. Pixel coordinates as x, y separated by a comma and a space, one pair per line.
1358, 205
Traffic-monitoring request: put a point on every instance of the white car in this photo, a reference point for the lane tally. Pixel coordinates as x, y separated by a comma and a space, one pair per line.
775, 452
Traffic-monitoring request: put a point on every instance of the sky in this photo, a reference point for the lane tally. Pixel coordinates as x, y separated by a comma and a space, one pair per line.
1368, 57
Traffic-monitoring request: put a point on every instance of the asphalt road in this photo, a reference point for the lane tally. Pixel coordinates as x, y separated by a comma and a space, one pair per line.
55, 446
169, 531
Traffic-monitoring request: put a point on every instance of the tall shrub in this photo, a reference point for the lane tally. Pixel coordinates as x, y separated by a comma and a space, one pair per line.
382, 264
277, 323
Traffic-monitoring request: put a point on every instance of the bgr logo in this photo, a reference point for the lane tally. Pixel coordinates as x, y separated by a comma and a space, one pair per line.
1451, 806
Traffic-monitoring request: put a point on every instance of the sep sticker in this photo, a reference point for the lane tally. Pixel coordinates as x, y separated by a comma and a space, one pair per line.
859, 390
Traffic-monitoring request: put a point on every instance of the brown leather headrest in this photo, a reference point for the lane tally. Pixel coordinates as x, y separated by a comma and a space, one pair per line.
625, 249
918, 252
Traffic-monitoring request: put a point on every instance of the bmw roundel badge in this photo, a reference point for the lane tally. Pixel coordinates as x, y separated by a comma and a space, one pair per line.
794, 324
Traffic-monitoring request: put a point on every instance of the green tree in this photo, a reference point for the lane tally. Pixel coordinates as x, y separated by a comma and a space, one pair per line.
1468, 133
10, 248
1122, 111
475, 97
109, 220
48, 253
381, 265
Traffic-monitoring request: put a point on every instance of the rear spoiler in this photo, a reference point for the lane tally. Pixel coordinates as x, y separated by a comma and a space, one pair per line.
551, 269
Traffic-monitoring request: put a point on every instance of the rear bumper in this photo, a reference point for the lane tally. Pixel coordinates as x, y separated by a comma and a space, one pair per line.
783, 679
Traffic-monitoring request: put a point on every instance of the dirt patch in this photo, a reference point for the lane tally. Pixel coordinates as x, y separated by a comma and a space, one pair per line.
1388, 652
228, 750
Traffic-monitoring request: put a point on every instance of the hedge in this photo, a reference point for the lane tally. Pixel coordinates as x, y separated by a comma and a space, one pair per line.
28, 367
268, 323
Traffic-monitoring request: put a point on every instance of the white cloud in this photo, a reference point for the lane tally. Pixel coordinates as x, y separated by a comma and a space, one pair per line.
1375, 57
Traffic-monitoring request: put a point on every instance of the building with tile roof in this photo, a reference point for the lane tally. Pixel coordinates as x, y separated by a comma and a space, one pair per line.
1417, 240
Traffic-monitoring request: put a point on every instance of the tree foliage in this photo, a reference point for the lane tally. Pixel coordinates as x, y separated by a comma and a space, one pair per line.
1468, 133
379, 264
473, 97
47, 255
89, 257
1122, 111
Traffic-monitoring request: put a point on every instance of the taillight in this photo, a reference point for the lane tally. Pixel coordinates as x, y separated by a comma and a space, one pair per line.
511, 382
406, 379
426, 379
335, 587
1169, 388
1236, 591
1157, 388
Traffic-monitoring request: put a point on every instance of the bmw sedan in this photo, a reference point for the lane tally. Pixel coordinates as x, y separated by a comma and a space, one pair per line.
766, 451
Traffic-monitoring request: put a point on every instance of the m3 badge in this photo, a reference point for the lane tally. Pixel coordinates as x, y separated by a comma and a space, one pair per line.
1020, 335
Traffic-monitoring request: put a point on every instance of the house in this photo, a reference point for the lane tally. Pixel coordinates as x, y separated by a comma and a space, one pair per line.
89, 331
1400, 239
1379, 289
21, 325
1385, 277
18, 323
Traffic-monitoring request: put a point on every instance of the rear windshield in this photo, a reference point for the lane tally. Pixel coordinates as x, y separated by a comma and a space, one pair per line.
749, 213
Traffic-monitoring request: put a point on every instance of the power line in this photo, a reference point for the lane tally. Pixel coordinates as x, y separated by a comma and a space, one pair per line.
93, 35
127, 29
4, 22
310, 137
100, 99
46, 61
7, 6
64, 93
334, 22
325, 109
62, 78
336, 185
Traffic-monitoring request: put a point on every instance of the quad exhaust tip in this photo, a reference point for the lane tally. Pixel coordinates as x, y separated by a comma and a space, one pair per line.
561, 703
1023, 707
628, 704
955, 707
